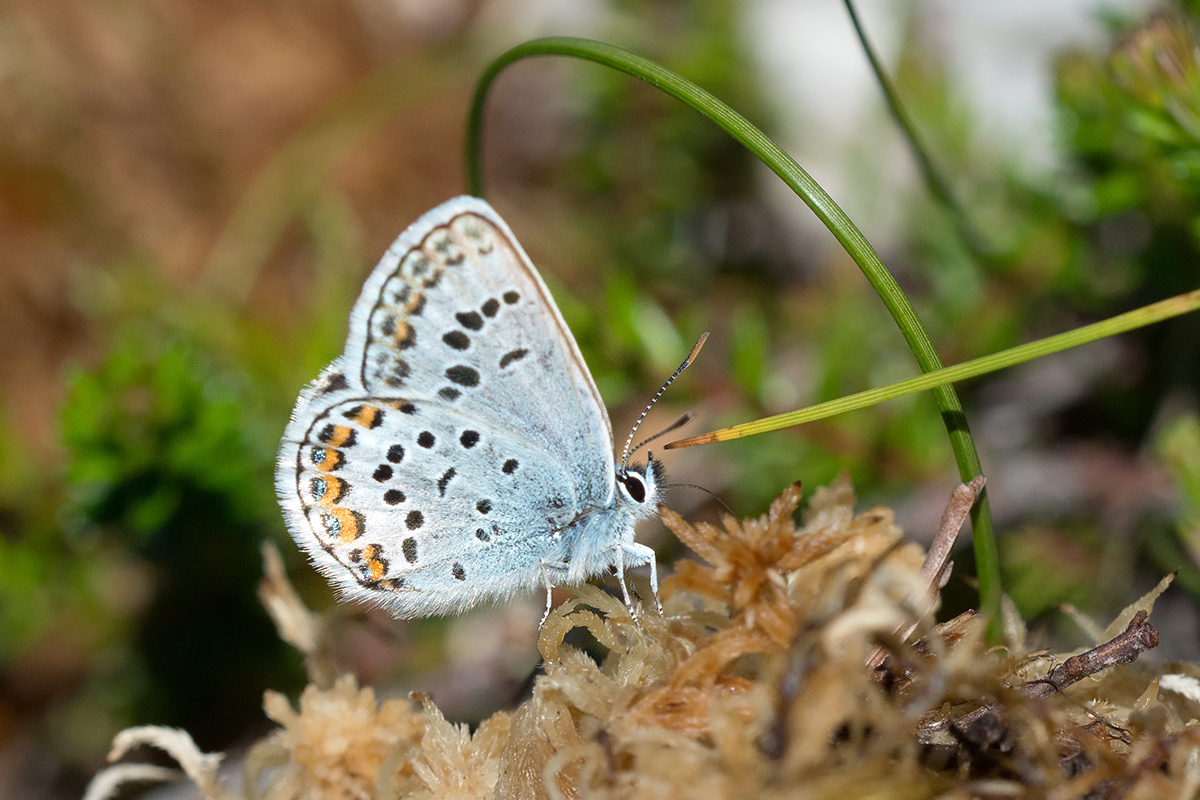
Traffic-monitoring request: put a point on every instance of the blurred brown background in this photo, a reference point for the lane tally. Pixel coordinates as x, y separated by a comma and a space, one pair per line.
192, 192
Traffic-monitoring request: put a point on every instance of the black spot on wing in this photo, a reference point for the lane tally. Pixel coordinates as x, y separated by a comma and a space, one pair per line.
335, 382
513, 355
456, 339
469, 320
490, 307
463, 376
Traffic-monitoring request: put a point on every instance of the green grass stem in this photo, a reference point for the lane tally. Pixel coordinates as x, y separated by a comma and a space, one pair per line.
1138, 318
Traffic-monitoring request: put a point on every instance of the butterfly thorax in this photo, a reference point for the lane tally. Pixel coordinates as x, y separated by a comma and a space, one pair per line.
597, 538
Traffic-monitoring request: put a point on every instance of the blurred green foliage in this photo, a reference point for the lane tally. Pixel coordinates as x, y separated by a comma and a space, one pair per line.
1046, 566
1119, 228
154, 422
650, 168
1178, 547
170, 459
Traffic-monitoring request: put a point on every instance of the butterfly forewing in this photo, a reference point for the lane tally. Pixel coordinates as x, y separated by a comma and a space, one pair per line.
461, 316
434, 463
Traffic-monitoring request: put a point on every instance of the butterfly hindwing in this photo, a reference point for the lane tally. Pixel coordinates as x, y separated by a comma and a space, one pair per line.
407, 502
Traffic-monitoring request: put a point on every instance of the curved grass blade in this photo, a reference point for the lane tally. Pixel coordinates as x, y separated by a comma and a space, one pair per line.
807, 189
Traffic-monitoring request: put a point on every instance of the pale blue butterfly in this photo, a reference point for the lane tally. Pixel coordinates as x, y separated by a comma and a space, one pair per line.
458, 449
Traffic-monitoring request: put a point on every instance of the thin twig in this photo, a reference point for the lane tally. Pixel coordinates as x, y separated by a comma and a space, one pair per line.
1137, 638
936, 569
937, 564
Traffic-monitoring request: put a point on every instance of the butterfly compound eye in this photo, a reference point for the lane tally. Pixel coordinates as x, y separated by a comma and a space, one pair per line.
635, 486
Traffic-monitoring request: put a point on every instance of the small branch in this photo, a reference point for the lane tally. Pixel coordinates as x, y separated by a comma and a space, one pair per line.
1136, 639
983, 725
936, 569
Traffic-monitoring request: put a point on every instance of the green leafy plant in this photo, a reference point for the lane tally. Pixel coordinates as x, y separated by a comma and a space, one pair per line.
164, 463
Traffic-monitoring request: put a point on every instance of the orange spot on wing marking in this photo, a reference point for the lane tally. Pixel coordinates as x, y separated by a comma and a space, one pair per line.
349, 524
368, 416
340, 435
334, 489
327, 459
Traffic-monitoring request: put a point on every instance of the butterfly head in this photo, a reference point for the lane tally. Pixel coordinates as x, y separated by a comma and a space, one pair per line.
641, 486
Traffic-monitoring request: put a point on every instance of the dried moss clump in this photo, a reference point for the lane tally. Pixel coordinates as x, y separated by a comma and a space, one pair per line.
336, 743
797, 661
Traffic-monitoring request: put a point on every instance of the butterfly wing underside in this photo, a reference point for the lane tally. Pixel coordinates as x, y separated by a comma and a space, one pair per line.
434, 463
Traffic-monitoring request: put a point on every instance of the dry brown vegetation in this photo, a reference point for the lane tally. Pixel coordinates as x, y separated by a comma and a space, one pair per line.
780, 667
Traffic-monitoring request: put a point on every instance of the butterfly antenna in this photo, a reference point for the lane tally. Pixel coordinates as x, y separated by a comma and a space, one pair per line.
709, 492
674, 426
626, 452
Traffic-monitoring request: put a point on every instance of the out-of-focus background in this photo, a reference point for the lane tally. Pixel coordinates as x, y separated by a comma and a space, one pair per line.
192, 192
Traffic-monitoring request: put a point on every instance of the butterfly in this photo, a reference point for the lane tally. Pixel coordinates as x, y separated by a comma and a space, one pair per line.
458, 450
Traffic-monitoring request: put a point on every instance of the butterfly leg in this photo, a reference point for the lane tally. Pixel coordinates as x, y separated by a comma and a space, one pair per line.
634, 555
547, 567
654, 583
625, 588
